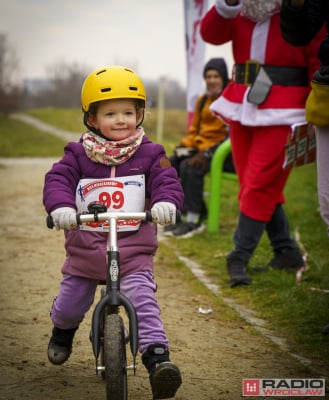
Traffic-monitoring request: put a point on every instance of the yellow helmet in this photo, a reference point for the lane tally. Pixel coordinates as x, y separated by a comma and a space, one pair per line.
113, 82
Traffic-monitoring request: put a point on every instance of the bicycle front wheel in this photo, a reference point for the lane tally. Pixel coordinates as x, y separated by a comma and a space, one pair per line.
115, 361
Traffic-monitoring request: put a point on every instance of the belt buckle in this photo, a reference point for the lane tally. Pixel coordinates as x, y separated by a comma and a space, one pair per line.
251, 70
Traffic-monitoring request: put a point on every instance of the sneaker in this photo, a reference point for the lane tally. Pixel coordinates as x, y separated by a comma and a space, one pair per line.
169, 229
188, 229
237, 270
165, 377
165, 380
60, 345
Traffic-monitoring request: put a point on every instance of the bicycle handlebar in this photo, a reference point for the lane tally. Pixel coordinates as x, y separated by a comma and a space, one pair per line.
102, 216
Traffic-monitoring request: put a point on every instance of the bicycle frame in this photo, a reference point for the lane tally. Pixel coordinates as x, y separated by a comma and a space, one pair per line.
113, 298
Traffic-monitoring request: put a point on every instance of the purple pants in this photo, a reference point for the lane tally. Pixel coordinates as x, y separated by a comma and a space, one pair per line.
76, 295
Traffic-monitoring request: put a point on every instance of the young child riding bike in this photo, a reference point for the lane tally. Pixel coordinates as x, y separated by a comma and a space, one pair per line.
113, 102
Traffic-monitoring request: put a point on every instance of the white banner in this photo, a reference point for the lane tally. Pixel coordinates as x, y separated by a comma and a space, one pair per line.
195, 51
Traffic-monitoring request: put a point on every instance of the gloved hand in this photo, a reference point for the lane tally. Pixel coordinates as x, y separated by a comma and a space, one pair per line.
199, 161
164, 213
64, 218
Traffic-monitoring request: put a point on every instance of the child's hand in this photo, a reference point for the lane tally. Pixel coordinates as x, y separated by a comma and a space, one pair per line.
164, 213
64, 218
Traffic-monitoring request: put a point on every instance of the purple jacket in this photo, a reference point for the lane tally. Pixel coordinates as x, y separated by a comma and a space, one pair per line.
86, 251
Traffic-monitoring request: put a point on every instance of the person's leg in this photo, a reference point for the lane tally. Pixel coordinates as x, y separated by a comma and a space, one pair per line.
74, 299
262, 178
322, 154
175, 162
192, 180
140, 289
246, 239
322, 159
258, 154
165, 377
287, 254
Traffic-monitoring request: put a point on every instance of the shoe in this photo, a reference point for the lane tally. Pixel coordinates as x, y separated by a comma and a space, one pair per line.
288, 259
165, 380
169, 229
60, 345
237, 270
188, 229
165, 377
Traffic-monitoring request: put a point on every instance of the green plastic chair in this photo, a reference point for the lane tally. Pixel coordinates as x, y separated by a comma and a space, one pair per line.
216, 177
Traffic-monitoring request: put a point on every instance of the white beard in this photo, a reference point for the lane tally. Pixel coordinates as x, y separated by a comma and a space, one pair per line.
260, 10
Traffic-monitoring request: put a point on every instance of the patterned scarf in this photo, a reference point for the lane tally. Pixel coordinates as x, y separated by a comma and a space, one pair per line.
109, 152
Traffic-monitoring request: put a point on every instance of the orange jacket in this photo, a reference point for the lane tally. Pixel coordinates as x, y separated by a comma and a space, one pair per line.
206, 130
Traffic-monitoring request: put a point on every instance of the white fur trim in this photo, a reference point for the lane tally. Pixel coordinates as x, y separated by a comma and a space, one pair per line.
248, 114
225, 10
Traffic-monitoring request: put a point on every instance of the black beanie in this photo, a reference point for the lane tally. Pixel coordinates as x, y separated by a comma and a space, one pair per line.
219, 65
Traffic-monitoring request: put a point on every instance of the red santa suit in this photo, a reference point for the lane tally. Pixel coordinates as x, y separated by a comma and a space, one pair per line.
259, 132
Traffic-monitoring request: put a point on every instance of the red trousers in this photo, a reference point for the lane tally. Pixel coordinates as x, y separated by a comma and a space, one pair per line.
258, 154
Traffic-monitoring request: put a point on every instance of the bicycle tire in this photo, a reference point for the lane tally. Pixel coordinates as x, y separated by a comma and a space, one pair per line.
115, 360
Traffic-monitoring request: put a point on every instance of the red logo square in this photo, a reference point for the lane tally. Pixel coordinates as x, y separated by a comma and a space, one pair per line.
250, 387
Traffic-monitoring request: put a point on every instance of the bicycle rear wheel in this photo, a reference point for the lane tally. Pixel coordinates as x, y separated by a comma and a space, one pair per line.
115, 361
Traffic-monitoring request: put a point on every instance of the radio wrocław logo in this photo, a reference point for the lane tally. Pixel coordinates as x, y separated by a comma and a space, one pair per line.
283, 387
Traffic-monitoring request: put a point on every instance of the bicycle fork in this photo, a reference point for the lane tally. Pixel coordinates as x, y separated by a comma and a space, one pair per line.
113, 299
96, 332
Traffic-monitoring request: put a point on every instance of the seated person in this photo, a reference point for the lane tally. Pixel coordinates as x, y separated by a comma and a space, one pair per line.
192, 157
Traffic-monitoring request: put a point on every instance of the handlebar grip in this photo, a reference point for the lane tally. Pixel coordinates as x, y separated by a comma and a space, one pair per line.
148, 216
178, 216
50, 222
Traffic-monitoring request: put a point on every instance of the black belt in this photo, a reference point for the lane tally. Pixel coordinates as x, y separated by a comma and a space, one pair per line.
286, 76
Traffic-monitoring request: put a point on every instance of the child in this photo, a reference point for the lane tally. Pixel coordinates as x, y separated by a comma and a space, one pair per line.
113, 101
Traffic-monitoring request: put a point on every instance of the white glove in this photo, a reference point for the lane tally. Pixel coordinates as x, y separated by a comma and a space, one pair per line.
64, 218
164, 213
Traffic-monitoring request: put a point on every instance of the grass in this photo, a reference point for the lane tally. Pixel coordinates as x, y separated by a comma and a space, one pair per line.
295, 311
71, 120
22, 140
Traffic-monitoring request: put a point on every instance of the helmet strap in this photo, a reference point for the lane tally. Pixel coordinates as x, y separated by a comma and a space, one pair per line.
141, 120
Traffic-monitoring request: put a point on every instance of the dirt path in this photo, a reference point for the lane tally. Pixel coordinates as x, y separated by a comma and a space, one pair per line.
214, 355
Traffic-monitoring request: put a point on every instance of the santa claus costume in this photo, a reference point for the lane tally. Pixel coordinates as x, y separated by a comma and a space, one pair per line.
267, 95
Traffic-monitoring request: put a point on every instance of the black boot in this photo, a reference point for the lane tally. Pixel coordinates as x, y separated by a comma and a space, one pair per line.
287, 255
165, 377
60, 345
246, 239
289, 259
237, 271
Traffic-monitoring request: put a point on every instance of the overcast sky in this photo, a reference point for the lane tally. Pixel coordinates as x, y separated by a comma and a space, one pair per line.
146, 35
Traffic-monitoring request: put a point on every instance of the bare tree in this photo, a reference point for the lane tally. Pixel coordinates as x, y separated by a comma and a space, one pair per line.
10, 88
66, 81
63, 88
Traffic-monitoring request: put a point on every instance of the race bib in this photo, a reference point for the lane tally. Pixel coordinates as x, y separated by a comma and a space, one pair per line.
124, 194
